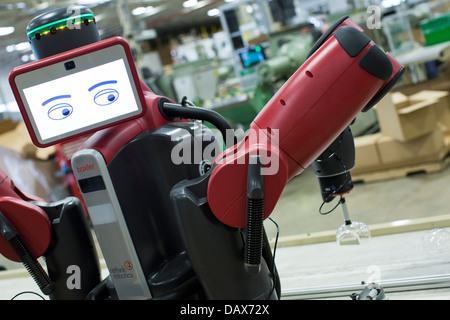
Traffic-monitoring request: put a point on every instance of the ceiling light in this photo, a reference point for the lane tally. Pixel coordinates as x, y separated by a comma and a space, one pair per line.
18, 47
91, 2
141, 10
6, 30
22, 46
201, 4
213, 12
190, 3
12, 6
138, 11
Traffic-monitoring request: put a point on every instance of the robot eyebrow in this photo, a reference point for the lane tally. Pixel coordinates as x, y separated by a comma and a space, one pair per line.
55, 98
101, 84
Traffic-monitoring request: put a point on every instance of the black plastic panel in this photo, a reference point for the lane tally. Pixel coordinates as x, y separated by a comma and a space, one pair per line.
352, 40
377, 63
71, 245
326, 34
217, 250
91, 184
380, 95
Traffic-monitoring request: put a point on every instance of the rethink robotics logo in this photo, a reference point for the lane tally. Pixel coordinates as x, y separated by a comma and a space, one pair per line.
122, 272
73, 281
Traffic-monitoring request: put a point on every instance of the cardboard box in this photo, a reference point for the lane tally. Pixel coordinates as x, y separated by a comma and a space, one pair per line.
400, 100
7, 125
19, 140
428, 148
447, 141
405, 120
442, 106
367, 157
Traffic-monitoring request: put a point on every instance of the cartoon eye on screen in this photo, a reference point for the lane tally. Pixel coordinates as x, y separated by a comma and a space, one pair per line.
60, 110
105, 96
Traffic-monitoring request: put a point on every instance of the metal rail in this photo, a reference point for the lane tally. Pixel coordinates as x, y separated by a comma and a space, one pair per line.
389, 286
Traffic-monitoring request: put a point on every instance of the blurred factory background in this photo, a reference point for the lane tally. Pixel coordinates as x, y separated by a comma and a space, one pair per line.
231, 56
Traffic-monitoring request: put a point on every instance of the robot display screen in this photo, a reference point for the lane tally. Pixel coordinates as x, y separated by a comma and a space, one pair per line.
81, 99
78, 92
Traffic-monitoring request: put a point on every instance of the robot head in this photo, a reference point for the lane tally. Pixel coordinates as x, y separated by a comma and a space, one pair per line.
62, 29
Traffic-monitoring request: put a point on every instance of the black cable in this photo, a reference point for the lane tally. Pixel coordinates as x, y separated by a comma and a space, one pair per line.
342, 185
274, 272
171, 111
30, 292
334, 208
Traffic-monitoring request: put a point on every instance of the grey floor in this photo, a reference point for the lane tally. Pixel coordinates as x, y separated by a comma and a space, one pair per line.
387, 260
417, 196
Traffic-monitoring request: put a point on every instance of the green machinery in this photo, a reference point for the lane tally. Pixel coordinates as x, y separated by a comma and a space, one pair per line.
287, 53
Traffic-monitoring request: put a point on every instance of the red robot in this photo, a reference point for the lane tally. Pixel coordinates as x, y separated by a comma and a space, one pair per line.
171, 231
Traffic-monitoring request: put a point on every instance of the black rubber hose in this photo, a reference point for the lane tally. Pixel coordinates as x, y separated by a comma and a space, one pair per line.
254, 229
171, 111
254, 233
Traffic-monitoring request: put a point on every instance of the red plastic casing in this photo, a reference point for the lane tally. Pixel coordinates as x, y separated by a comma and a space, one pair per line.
67, 56
305, 116
30, 221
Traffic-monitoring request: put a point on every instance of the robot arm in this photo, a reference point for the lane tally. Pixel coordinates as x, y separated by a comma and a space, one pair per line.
28, 220
307, 116
345, 74
25, 231
333, 166
31, 228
